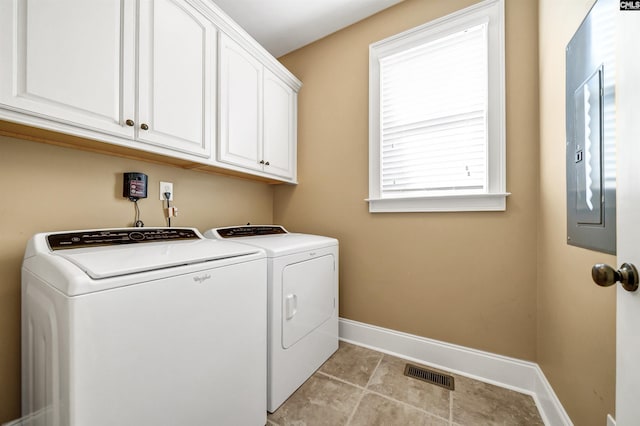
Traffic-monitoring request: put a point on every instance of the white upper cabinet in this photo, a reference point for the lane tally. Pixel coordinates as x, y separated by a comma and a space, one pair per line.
176, 78
62, 59
176, 57
74, 61
240, 106
257, 115
279, 126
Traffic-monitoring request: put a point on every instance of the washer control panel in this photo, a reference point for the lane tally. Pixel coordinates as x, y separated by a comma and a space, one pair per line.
108, 237
250, 231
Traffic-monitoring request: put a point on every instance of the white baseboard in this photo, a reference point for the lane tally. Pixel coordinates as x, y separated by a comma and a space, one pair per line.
522, 376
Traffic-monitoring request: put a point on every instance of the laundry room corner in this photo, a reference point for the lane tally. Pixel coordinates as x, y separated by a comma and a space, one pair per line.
396, 268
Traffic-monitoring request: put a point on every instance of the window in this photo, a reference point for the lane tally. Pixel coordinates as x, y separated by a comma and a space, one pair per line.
436, 115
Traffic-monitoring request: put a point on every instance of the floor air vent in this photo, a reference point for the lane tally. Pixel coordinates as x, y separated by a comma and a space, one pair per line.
429, 376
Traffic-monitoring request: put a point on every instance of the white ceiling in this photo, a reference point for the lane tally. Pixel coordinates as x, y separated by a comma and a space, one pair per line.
282, 26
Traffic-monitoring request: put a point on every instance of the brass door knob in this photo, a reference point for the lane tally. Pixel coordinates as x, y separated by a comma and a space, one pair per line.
143, 126
605, 276
129, 122
266, 164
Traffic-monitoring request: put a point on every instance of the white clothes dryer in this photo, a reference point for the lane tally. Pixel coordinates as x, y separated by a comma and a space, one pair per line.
143, 326
302, 303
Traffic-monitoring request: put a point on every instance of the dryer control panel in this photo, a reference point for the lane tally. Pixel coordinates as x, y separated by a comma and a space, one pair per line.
108, 237
250, 231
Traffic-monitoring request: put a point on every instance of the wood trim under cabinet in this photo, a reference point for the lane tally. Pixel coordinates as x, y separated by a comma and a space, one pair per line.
33, 134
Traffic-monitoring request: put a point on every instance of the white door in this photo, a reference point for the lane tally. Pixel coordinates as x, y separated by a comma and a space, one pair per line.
628, 211
176, 55
240, 106
70, 61
278, 145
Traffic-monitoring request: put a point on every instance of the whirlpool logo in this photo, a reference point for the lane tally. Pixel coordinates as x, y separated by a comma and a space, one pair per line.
630, 5
202, 278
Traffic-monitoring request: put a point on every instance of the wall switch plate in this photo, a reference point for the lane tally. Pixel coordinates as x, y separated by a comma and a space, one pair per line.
166, 187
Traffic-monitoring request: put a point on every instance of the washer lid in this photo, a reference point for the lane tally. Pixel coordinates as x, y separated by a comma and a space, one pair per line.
113, 261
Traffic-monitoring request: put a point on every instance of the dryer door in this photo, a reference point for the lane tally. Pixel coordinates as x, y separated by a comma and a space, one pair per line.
308, 297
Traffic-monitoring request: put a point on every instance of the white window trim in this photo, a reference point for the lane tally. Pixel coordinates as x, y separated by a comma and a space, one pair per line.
495, 197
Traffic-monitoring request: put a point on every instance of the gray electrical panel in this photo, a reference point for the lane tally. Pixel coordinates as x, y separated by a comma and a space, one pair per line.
590, 127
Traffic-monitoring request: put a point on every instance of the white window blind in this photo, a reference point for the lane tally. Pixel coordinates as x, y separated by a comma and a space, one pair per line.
434, 116
437, 115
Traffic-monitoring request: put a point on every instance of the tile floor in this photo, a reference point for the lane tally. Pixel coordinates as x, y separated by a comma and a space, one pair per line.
361, 387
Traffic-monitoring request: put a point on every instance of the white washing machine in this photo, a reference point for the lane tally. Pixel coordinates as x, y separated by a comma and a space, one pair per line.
143, 326
302, 303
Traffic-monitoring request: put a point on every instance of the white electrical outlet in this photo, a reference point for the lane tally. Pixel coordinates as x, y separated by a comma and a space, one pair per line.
166, 187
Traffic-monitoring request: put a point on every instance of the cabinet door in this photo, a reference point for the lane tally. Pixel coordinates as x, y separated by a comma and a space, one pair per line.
176, 74
279, 127
69, 60
240, 106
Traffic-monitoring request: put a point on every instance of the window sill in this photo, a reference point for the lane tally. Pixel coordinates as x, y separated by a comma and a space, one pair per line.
445, 203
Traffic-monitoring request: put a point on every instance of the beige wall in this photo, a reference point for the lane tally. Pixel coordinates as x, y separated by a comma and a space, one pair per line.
576, 319
502, 282
47, 188
464, 278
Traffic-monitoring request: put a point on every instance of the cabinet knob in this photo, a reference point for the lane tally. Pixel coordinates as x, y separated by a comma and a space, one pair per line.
266, 164
261, 162
129, 122
143, 126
